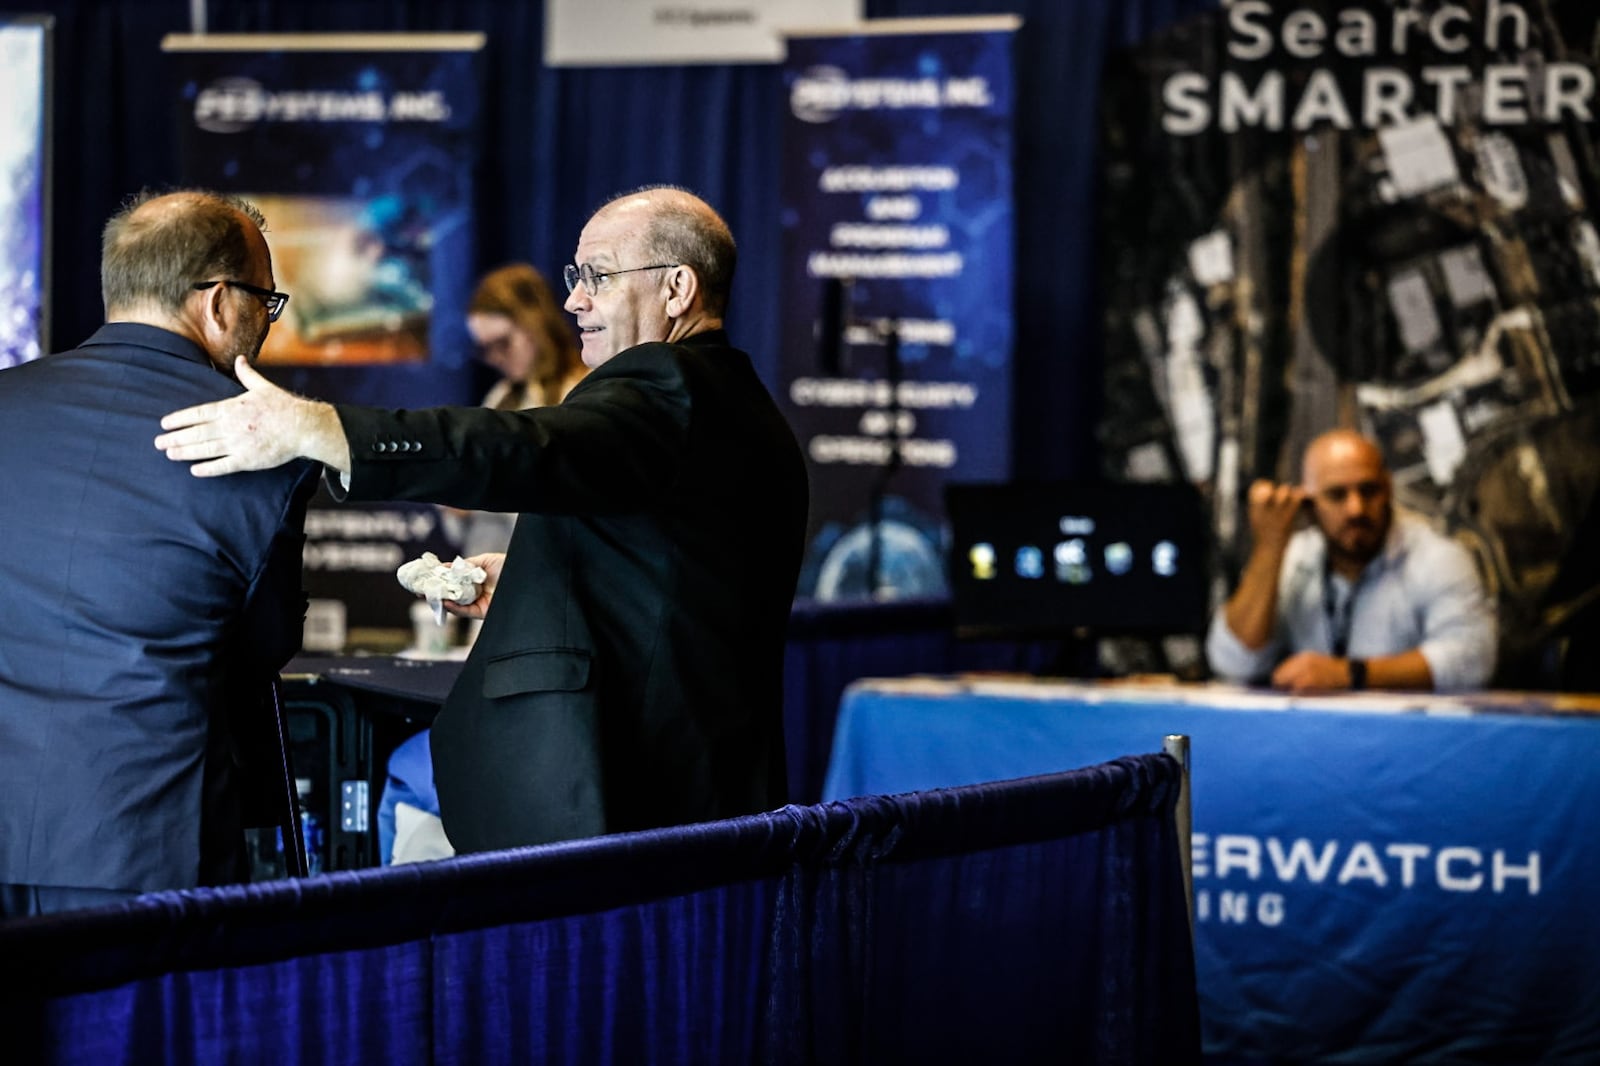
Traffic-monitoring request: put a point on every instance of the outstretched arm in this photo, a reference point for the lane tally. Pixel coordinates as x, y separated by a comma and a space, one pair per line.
261, 428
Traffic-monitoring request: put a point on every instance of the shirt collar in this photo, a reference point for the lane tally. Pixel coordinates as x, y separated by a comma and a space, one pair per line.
141, 335
717, 337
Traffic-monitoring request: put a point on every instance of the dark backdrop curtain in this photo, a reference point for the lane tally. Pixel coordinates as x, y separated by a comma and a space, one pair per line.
557, 142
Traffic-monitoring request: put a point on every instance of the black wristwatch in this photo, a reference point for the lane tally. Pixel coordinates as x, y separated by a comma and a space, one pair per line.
1358, 673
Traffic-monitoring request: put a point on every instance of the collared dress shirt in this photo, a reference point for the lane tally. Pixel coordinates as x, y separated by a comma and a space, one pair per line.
1421, 591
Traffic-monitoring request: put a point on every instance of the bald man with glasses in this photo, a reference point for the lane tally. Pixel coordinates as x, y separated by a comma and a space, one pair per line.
144, 609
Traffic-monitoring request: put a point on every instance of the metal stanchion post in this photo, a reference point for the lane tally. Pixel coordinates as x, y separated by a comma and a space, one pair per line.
1177, 746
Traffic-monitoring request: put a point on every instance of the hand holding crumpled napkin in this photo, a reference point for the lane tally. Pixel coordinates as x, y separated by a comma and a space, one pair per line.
459, 582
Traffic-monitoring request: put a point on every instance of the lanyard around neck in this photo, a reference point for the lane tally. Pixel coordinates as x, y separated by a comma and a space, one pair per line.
1338, 614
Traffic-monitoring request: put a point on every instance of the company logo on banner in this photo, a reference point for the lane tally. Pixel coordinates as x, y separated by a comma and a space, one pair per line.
360, 152
1378, 215
1419, 875
820, 94
1242, 879
233, 105
898, 237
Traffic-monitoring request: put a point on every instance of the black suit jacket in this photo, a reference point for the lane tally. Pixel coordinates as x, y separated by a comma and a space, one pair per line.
629, 673
142, 607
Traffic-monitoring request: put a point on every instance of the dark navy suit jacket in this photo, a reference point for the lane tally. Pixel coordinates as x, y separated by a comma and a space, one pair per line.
629, 673
139, 607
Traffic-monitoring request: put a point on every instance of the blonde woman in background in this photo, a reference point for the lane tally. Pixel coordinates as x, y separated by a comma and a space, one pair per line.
522, 334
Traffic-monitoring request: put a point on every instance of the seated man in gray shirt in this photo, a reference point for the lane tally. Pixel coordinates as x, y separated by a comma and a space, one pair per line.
1365, 597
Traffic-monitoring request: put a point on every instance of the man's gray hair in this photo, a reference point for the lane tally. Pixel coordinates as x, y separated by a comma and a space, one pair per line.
154, 256
685, 229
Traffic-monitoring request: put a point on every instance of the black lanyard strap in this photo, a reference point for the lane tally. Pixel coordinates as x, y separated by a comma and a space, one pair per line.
1339, 615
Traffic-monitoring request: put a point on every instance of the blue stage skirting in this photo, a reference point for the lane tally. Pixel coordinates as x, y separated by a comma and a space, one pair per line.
1377, 878
1032, 921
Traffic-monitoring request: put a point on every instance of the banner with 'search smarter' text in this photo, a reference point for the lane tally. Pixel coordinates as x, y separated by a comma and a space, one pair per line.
1382, 216
897, 332
360, 150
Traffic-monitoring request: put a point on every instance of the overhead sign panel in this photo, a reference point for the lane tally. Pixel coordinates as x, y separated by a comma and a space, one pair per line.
596, 33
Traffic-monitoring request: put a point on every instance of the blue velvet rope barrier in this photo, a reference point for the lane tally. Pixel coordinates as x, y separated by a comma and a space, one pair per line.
1055, 902
198, 928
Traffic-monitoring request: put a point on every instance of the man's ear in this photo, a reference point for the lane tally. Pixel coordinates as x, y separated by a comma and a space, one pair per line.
214, 310
214, 317
683, 286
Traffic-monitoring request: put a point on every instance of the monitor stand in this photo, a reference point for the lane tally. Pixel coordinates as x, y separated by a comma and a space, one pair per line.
1077, 656
1085, 655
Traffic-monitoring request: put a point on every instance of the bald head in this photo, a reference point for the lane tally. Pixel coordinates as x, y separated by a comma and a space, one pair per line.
192, 262
672, 225
157, 246
1345, 476
1339, 446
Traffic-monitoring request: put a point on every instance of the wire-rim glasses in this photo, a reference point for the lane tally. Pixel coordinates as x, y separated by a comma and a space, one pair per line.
592, 278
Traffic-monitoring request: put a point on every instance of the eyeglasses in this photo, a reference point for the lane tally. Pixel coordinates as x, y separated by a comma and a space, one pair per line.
592, 278
273, 300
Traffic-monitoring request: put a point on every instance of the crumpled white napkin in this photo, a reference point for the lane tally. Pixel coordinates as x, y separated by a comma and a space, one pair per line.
459, 582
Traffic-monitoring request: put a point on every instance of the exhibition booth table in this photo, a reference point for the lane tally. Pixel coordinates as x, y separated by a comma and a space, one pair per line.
1377, 877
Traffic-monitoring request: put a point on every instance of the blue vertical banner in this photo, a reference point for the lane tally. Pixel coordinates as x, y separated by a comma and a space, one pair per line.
898, 262
361, 150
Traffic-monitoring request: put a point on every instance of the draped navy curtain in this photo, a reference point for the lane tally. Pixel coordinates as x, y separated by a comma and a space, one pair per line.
557, 142
1038, 920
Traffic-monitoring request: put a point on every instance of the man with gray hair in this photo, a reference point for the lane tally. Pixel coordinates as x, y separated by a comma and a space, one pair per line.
143, 609
629, 672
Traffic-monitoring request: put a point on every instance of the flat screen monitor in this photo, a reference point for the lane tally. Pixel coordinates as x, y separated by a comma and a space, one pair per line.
1077, 559
25, 72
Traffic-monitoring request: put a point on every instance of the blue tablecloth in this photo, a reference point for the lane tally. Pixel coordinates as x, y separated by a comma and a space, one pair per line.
1377, 878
